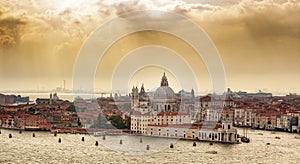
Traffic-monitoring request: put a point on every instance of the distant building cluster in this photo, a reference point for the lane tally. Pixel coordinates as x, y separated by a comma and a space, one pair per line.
12, 99
46, 114
53, 100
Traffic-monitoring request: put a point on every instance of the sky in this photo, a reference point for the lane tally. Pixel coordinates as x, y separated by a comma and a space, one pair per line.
257, 40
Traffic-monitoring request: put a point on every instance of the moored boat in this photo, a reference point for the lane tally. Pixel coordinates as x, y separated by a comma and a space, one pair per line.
245, 139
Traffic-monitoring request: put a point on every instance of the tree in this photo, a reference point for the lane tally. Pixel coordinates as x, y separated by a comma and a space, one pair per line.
127, 123
31, 110
117, 122
71, 108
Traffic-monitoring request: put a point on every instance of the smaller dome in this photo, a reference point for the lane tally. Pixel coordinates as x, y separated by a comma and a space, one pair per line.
164, 92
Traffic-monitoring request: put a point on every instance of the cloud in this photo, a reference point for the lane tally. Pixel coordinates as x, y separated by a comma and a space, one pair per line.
128, 6
265, 21
259, 19
183, 7
9, 31
269, 19
50, 30
108, 8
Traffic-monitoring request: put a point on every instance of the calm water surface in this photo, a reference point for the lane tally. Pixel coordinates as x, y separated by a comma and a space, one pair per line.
44, 148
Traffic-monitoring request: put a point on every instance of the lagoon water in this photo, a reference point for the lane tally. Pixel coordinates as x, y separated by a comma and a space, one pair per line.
44, 148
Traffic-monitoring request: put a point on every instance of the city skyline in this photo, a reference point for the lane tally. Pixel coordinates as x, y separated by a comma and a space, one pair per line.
40, 41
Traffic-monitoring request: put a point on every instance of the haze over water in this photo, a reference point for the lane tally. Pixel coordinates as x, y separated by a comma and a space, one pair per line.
44, 148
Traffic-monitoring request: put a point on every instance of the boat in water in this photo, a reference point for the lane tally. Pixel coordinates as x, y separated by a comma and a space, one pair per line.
212, 152
245, 139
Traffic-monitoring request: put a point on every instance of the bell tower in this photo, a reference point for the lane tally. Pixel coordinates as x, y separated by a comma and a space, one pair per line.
142, 90
134, 97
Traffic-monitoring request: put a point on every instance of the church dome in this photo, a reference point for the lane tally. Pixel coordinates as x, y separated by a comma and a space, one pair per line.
164, 92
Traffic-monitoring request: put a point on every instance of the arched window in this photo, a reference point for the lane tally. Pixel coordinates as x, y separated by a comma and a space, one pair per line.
229, 126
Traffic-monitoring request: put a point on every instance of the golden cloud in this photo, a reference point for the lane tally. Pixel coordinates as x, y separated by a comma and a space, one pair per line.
9, 31
263, 32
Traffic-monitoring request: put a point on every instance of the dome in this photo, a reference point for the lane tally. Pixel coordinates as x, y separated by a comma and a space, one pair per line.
164, 92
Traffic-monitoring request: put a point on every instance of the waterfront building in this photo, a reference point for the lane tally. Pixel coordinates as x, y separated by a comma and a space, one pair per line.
227, 113
13, 99
140, 122
224, 132
7, 121
171, 118
248, 117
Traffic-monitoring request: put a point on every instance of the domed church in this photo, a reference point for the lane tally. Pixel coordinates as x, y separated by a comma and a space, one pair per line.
164, 98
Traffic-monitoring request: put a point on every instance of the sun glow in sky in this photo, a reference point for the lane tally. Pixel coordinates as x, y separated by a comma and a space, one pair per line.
258, 41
